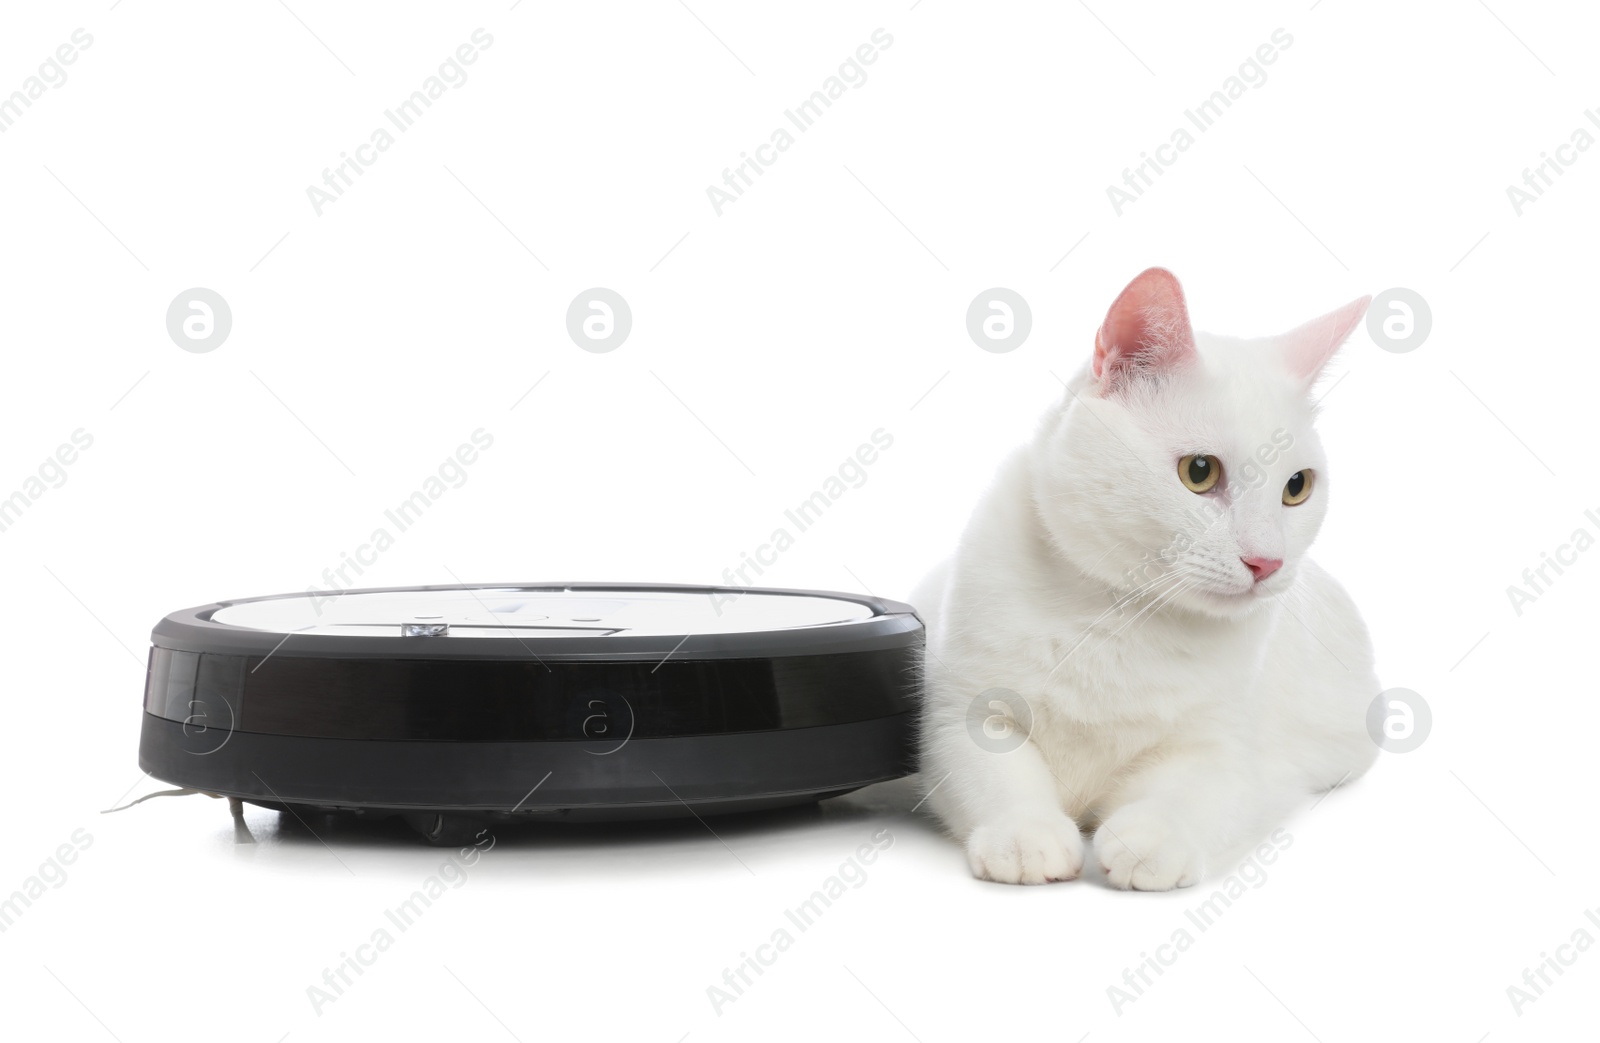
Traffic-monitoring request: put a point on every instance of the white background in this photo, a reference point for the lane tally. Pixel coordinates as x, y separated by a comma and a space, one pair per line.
767, 343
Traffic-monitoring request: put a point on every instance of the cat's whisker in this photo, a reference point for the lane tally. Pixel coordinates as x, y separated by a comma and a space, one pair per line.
1143, 610
1181, 585
1177, 568
1141, 591
1165, 597
1116, 606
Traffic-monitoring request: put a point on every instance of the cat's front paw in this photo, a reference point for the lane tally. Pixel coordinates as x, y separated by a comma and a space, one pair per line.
1141, 848
1027, 851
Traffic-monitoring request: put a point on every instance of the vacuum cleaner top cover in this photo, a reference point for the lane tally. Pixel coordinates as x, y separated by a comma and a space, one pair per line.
564, 619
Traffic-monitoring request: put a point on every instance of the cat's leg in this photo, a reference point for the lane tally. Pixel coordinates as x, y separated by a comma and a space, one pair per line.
1003, 805
1173, 818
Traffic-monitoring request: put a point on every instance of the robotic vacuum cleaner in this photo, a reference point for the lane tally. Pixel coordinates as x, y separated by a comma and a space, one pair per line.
460, 705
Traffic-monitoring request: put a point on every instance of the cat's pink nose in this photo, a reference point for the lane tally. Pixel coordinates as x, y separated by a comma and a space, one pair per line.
1261, 568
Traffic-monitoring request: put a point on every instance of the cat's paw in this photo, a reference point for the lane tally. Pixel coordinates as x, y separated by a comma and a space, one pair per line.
1142, 849
1027, 851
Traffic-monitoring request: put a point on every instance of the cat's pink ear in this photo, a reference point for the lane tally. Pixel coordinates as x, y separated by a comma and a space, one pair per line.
1146, 331
1309, 347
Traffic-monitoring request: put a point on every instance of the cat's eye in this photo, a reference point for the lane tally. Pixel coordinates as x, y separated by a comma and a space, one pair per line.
1298, 488
1199, 472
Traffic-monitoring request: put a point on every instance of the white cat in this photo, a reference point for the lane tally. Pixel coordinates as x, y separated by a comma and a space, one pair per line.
1130, 638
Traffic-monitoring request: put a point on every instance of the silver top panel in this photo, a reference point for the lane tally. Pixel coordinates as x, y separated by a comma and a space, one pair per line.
528, 614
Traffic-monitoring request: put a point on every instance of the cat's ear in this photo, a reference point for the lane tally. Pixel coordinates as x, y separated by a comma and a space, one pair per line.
1146, 331
1308, 348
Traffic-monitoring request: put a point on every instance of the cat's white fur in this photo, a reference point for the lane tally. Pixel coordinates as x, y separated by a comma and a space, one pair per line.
1178, 708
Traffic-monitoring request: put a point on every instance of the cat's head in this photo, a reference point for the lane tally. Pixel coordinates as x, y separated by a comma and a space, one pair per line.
1187, 466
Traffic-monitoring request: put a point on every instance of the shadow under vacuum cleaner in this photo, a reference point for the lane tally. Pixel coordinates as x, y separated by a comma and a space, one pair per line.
460, 705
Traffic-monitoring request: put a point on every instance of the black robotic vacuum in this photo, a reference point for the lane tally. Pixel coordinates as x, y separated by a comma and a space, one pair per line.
459, 705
